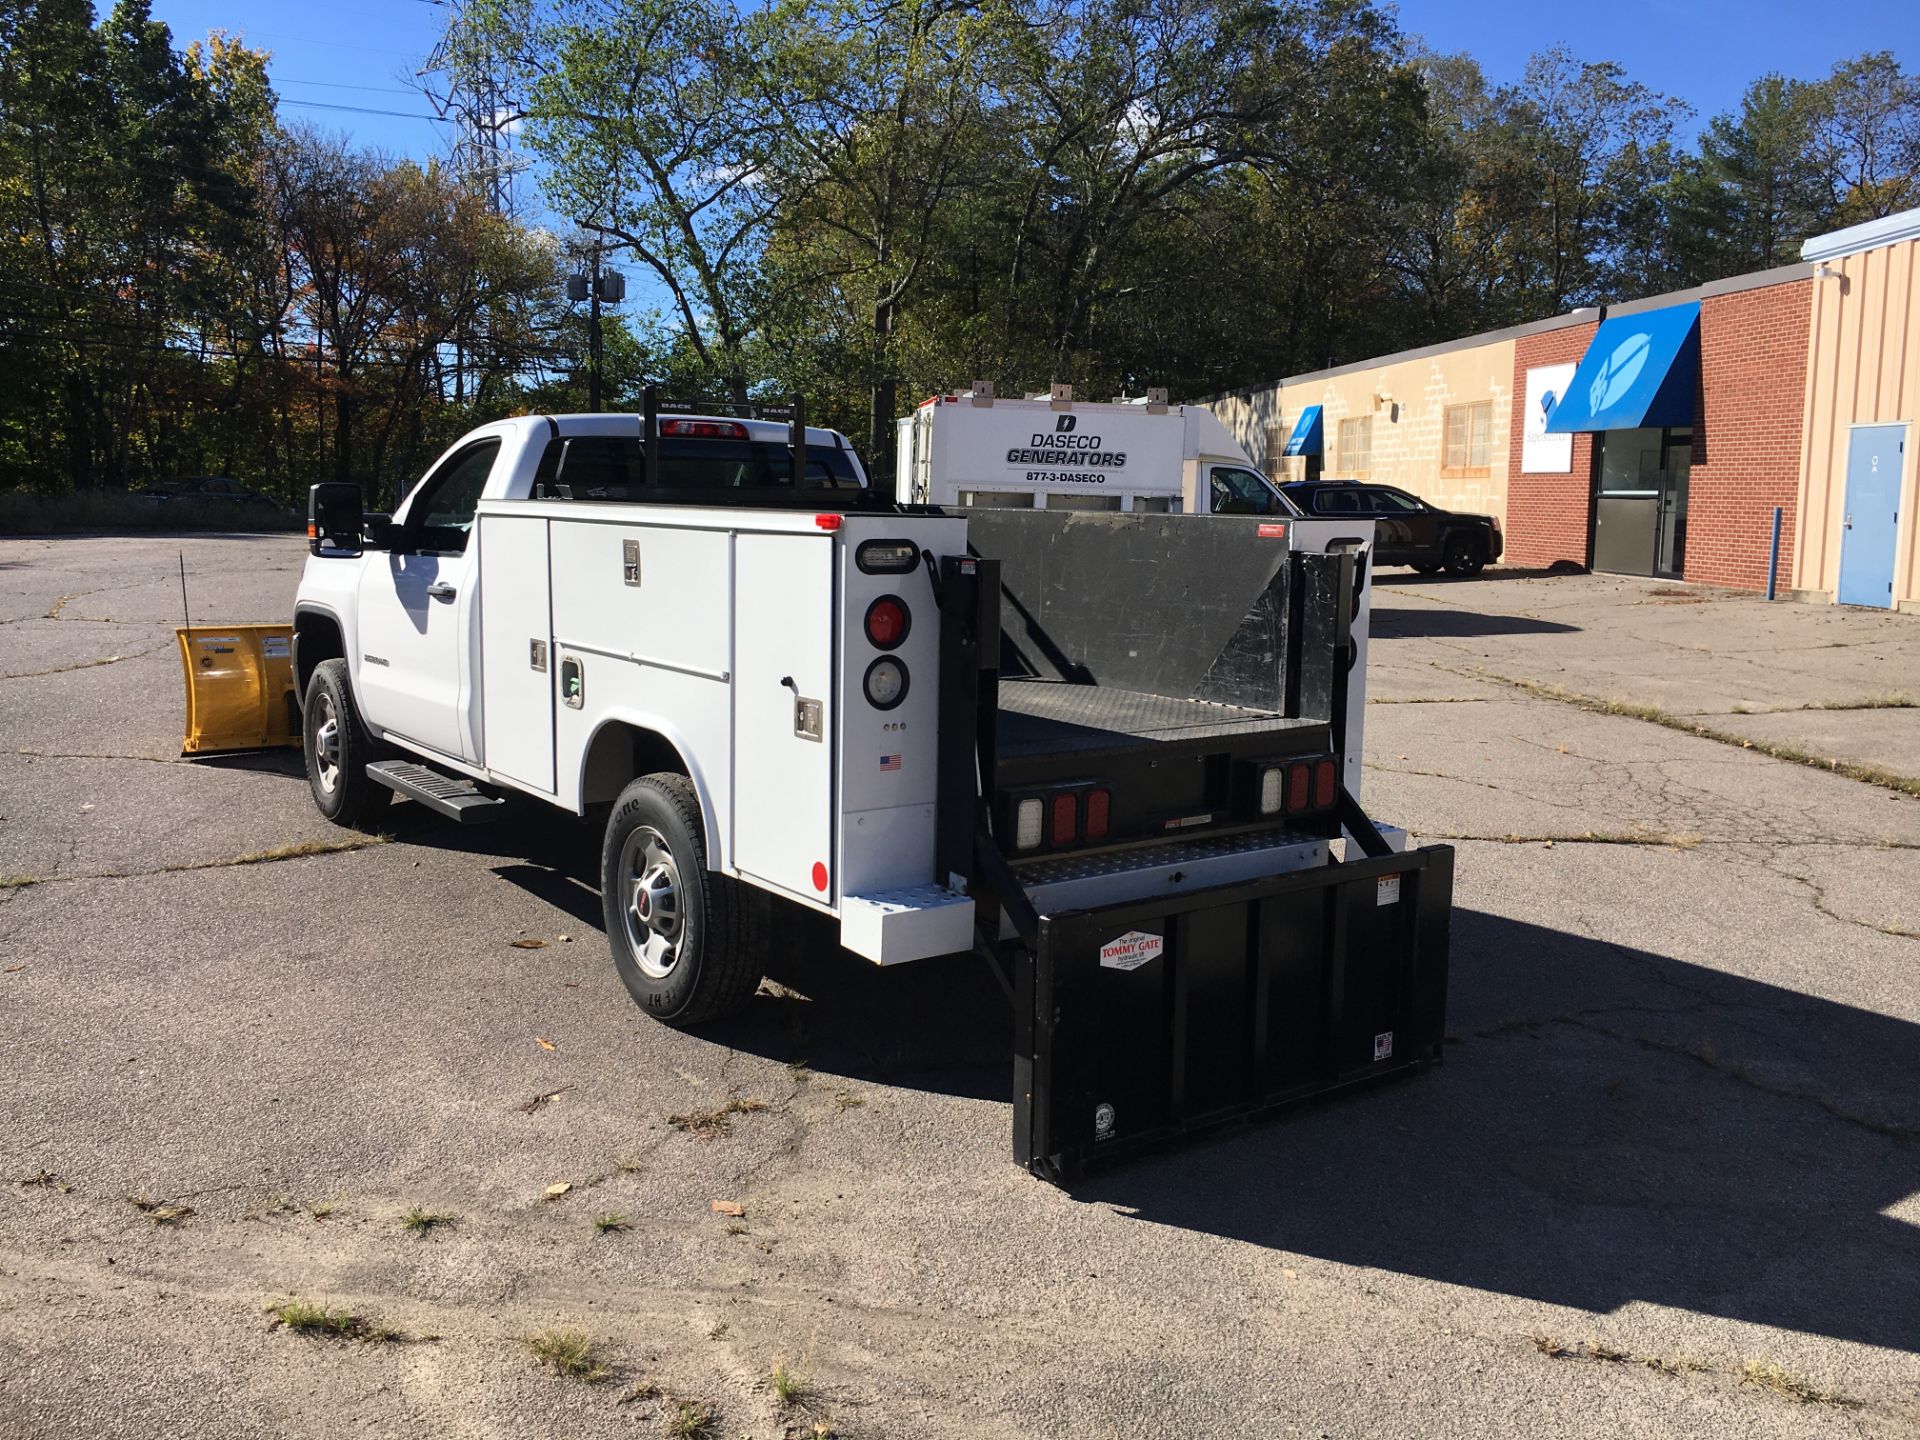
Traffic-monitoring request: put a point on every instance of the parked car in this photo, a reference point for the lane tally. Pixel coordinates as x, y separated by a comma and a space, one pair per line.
1409, 531
215, 490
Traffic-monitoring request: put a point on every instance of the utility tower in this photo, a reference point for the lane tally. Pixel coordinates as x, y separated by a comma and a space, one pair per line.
462, 80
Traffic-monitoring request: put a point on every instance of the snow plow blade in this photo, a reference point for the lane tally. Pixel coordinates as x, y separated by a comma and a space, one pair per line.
1148, 1022
240, 693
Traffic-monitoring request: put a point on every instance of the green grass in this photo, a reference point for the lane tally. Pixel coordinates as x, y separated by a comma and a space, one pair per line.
421, 1221
607, 1224
572, 1353
791, 1385
689, 1420
304, 1317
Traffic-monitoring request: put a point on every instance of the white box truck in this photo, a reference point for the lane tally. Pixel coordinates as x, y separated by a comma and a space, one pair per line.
1136, 456
1115, 756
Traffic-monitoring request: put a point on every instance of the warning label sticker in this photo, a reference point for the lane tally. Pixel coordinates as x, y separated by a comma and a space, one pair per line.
1131, 950
1389, 891
276, 647
1383, 1046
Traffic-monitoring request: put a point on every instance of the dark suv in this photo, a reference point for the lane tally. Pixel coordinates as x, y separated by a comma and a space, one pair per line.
1408, 531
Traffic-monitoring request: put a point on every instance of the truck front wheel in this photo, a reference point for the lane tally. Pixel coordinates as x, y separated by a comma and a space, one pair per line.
686, 941
338, 748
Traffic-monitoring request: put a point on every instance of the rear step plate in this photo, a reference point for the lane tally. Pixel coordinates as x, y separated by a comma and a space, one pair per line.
451, 796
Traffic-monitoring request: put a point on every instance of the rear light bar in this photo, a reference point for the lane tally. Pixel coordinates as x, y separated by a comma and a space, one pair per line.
1298, 787
703, 429
1059, 819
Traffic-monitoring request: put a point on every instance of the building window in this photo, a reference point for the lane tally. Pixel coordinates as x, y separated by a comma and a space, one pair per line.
1277, 436
1356, 447
1469, 440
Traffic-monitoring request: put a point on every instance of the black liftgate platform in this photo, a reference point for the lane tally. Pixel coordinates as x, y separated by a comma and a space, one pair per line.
1144, 1022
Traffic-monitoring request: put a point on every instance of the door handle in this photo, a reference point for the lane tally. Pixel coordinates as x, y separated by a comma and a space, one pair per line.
441, 590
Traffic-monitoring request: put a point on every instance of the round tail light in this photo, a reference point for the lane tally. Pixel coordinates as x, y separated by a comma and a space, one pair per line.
888, 622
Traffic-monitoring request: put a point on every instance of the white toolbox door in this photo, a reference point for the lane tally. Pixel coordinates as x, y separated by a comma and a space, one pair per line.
783, 779
516, 642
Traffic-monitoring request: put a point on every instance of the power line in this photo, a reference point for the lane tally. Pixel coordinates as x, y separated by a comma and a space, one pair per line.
342, 85
365, 110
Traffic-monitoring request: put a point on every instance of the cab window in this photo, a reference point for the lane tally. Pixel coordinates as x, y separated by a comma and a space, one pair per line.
1339, 502
441, 515
1241, 492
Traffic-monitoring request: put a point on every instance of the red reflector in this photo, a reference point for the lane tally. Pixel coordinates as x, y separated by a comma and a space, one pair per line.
1273, 532
703, 429
828, 522
1299, 783
1323, 784
886, 622
1064, 807
1098, 804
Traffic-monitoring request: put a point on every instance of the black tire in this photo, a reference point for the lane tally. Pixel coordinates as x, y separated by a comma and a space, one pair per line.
687, 942
1465, 554
1428, 569
337, 748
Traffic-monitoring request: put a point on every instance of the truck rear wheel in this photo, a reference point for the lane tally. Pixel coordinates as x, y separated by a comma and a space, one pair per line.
337, 749
687, 942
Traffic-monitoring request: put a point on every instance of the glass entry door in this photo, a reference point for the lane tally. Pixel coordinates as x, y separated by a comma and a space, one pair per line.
1640, 501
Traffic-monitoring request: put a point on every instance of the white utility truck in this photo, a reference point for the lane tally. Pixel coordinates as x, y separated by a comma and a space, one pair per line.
1115, 755
974, 449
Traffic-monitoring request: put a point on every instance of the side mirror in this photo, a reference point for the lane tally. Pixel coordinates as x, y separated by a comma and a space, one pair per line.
337, 525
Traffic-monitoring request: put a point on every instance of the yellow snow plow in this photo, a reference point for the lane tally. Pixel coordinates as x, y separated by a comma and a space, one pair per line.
240, 692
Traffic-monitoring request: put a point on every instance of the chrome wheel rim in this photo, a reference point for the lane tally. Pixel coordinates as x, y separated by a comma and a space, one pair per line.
326, 742
650, 889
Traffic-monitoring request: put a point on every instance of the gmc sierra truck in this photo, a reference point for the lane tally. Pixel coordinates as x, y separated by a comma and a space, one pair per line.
1117, 756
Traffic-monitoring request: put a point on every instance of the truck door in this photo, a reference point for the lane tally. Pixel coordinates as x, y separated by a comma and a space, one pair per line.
783, 723
415, 606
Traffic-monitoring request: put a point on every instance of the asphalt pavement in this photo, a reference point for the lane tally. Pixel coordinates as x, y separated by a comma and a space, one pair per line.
1667, 1182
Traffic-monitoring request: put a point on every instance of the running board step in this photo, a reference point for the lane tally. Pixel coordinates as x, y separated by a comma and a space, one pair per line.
455, 798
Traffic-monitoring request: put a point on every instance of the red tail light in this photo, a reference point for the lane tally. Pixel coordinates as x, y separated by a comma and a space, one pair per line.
1065, 814
703, 429
888, 622
1299, 786
1324, 784
1099, 804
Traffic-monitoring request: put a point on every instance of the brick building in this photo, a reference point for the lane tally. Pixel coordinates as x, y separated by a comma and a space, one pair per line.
1658, 436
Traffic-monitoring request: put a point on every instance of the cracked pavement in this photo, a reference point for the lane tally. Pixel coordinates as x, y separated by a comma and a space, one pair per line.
1677, 1120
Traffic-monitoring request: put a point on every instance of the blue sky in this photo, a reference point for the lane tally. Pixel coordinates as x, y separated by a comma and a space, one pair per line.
364, 52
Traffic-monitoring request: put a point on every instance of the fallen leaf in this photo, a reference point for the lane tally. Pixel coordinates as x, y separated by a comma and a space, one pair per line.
546, 1044
529, 944
11, 969
728, 1207
558, 1188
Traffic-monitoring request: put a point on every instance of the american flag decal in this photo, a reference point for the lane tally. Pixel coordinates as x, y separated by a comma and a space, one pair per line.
889, 762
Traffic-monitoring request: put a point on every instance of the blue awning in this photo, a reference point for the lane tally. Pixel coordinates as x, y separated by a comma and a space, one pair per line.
1639, 371
1305, 439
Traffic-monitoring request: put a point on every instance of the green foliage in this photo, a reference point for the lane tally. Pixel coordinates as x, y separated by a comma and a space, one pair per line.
864, 200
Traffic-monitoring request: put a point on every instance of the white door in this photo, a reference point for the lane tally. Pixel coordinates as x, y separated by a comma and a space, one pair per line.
784, 712
414, 605
516, 638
